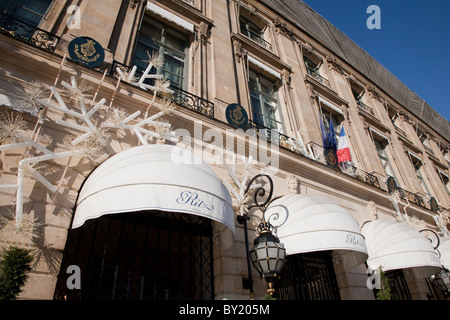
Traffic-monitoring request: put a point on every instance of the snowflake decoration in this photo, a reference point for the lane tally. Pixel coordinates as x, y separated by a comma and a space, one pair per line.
239, 184
93, 130
155, 60
299, 146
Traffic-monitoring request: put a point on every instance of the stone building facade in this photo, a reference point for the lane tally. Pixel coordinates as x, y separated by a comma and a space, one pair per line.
90, 127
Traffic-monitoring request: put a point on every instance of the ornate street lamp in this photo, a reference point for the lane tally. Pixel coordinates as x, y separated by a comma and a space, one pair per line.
267, 254
442, 280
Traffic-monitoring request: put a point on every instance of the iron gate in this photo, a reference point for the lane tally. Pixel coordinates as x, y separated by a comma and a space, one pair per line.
308, 276
140, 256
398, 285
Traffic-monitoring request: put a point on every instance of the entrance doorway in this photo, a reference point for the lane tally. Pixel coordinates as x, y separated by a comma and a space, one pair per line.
308, 276
150, 255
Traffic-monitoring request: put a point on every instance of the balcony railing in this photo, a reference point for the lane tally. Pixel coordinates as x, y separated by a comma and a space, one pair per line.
27, 32
365, 107
193, 102
365, 177
271, 135
180, 96
315, 75
411, 197
281, 140
257, 38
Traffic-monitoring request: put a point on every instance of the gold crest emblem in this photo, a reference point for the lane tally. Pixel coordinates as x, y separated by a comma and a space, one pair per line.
87, 52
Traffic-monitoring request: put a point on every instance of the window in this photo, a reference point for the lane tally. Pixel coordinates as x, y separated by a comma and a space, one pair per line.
445, 180
264, 101
155, 38
327, 118
312, 64
417, 164
28, 11
382, 154
424, 140
254, 31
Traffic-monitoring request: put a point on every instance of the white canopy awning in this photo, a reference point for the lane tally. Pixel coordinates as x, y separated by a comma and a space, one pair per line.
331, 106
154, 177
264, 67
169, 16
309, 223
444, 249
394, 245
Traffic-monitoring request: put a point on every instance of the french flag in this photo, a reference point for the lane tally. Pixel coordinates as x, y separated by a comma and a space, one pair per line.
343, 151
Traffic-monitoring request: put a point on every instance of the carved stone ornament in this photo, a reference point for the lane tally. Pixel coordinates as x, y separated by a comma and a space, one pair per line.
373, 91
238, 51
294, 185
372, 208
286, 77
334, 63
203, 32
283, 27
133, 3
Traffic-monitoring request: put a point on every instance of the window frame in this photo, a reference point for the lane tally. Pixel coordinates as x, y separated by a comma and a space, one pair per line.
163, 48
380, 148
444, 179
417, 165
254, 28
265, 99
12, 5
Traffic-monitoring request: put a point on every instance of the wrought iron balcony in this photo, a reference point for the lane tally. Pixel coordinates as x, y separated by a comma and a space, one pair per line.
271, 135
365, 177
315, 75
257, 38
411, 197
27, 32
280, 139
180, 96
364, 107
193, 102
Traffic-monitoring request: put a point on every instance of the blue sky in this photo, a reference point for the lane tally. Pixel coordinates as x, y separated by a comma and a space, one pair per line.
413, 42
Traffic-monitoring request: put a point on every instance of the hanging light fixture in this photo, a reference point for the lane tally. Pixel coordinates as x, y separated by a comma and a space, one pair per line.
442, 280
267, 254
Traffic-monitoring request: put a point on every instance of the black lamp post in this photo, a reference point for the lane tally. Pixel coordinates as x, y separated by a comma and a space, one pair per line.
267, 254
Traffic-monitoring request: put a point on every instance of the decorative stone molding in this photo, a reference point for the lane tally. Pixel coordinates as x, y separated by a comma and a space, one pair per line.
283, 27
294, 185
374, 93
286, 77
238, 50
334, 64
203, 32
372, 208
133, 3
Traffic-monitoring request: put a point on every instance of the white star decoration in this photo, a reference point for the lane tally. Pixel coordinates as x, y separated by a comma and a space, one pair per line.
93, 129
